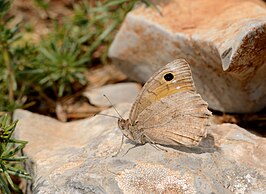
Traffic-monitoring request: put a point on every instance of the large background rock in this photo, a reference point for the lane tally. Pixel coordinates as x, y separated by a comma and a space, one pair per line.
76, 157
223, 41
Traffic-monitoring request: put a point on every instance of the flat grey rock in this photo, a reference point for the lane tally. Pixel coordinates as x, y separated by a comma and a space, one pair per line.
76, 157
117, 93
223, 41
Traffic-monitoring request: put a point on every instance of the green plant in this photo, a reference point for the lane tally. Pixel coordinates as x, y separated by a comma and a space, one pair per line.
13, 58
59, 64
7, 37
55, 67
96, 23
43, 4
10, 162
75, 43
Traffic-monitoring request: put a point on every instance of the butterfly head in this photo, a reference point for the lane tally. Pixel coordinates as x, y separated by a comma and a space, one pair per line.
124, 126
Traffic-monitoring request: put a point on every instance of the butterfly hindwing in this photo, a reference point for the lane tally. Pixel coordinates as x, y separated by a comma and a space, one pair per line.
177, 119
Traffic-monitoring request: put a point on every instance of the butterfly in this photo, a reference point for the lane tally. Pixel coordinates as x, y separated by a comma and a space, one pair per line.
168, 110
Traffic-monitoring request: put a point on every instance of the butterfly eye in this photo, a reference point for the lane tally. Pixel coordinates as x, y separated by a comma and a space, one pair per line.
168, 76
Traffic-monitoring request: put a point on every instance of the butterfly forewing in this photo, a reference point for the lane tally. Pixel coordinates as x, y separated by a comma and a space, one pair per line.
157, 87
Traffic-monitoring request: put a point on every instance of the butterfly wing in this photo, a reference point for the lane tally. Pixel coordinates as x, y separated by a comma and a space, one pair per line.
177, 119
168, 110
157, 87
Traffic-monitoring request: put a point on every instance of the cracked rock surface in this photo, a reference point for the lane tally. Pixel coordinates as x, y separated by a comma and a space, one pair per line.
77, 157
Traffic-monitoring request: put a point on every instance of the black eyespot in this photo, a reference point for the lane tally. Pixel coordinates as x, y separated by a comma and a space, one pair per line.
168, 76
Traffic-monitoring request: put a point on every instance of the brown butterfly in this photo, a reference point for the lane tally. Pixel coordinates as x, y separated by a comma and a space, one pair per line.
168, 110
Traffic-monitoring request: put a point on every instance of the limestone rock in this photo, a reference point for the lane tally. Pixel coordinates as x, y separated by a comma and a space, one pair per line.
223, 41
76, 157
117, 93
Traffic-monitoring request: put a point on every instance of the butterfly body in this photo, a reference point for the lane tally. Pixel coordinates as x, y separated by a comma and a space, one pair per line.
168, 110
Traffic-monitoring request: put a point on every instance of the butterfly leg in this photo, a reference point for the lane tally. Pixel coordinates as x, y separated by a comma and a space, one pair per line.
132, 148
120, 147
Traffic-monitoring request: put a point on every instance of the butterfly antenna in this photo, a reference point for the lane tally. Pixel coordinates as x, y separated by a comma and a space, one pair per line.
120, 117
107, 115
